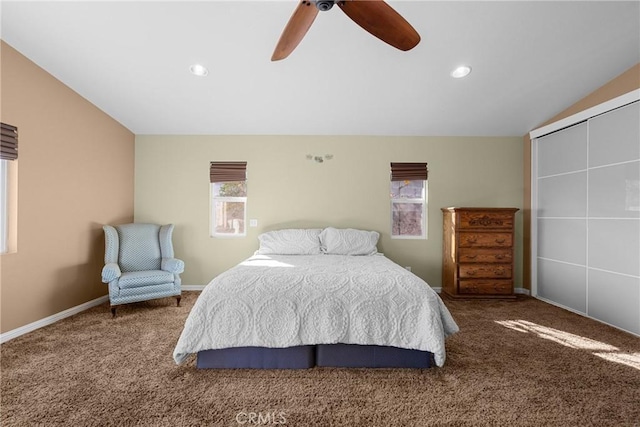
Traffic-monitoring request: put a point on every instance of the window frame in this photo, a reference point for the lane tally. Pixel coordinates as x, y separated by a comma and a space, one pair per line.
4, 206
423, 200
8, 155
225, 199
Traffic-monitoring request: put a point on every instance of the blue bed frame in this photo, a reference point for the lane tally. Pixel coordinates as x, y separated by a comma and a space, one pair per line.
303, 357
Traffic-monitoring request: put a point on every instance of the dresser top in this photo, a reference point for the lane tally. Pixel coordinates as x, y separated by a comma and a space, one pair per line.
455, 209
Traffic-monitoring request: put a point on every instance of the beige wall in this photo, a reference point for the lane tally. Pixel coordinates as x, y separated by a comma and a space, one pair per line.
287, 190
75, 173
624, 83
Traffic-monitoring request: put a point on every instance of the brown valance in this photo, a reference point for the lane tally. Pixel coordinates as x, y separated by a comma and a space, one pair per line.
409, 171
228, 171
8, 142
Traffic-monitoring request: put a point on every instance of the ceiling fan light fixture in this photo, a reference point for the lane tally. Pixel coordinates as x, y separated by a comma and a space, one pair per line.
375, 17
324, 5
461, 71
198, 70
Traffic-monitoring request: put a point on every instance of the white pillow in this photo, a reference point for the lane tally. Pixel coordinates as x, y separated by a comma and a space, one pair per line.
349, 241
290, 242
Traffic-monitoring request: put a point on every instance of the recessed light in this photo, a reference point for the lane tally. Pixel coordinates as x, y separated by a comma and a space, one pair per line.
199, 70
461, 72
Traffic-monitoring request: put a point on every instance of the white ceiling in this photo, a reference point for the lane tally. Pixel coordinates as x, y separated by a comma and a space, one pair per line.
530, 61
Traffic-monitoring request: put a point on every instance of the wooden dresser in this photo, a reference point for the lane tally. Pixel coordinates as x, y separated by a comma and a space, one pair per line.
477, 259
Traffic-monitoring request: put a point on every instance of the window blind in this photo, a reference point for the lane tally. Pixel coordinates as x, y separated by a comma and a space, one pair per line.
408, 171
8, 142
228, 171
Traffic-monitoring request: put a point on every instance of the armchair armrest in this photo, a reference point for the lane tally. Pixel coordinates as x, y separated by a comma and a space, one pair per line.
172, 265
110, 272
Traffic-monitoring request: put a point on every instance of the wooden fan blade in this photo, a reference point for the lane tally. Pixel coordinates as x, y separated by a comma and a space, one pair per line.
296, 28
382, 21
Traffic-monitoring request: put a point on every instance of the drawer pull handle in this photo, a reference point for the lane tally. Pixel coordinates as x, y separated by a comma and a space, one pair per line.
499, 272
499, 256
471, 273
500, 241
472, 256
472, 239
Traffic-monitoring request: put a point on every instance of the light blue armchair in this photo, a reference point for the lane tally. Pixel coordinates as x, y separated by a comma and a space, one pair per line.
139, 263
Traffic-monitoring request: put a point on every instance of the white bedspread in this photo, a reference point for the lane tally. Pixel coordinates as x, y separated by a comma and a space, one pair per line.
282, 301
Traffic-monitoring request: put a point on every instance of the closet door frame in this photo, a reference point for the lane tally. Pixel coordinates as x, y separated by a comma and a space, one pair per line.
575, 119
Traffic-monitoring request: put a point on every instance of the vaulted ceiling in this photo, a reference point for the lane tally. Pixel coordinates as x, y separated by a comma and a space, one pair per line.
530, 60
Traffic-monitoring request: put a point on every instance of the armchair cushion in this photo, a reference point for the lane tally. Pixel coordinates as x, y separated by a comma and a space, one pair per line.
110, 271
172, 265
135, 279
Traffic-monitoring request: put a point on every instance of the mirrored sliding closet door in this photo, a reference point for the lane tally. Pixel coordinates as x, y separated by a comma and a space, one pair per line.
586, 216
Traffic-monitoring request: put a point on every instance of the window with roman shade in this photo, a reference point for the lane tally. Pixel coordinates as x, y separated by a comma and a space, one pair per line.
8, 152
228, 171
409, 171
409, 200
8, 142
228, 182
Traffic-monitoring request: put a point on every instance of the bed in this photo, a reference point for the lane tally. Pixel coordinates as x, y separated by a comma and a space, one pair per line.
316, 297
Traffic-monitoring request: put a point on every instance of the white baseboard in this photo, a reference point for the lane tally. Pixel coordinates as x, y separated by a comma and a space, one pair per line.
192, 287
15, 333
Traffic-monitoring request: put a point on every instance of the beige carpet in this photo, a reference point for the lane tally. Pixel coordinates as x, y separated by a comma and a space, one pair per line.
540, 368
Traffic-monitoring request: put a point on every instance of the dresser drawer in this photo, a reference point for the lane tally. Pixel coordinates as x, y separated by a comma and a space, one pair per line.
475, 240
498, 271
486, 287
485, 255
485, 220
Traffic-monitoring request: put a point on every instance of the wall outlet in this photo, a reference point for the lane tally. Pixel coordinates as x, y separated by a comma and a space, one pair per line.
408, 268
253, 223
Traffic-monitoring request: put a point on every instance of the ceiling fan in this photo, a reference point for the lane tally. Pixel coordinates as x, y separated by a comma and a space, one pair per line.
375, 16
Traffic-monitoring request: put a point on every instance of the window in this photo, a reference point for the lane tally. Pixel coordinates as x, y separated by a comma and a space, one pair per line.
409, 200
3, 205
8, 152
228, 199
